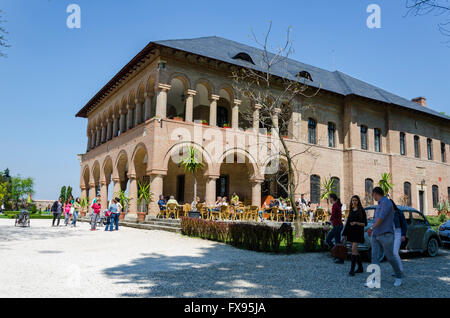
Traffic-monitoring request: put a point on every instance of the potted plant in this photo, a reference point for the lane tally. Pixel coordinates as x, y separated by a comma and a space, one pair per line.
177, 118
84, 204
386, 183
204, 123
327, 190
123, 200
144, 198
226, 125
191, 164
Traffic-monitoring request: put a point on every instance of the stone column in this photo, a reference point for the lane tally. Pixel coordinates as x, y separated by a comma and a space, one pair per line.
109, 130
190, 105
88, 146
156, 187
256, 193
104, 194
213, 110
116, 188
97, 142
161, 100
210, 196
147, 106
115, 126
133, 195
92, 144
129, 117
256, 117
275, 116
122, 122
138, 112
92, 192
235, 114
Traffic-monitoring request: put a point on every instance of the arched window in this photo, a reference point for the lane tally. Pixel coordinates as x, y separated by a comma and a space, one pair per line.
336, 186
368, 185
443, 156
407, 193
331, 135
244, 57
364, 137
315, 188
435, 190
305, 74
430, 149
312, 124
402, 144
377, 139
416, 146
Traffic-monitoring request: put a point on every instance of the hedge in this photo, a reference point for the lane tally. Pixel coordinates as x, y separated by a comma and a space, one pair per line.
255, 237
314, 239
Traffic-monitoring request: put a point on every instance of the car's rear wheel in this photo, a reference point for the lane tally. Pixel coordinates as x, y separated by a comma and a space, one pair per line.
432, 247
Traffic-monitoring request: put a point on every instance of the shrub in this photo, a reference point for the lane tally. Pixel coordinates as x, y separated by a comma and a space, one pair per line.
314, 238
254, 237
442, 218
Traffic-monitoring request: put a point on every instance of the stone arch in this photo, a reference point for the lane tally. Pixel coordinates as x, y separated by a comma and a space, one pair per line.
108, 169
140, 160
150, 85
206, 157
229, 90
182, 77
122, 166
176, 98
96, 173
244, 154
207, 83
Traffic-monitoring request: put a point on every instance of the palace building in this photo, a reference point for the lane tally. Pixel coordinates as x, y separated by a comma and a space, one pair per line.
175, 88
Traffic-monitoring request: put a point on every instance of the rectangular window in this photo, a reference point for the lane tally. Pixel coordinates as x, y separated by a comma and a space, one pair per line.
430, 149
331, 135
443, 155
363, 137
377, 134
402, 144
312, 131
416, 147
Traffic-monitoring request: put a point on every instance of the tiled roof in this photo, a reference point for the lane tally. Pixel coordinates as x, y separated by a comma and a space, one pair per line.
224, 50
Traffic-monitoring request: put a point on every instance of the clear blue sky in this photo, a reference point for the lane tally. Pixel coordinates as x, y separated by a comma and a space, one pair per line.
52, 71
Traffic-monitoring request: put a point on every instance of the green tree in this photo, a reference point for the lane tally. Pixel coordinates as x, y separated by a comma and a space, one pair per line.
3, 191
327, 188
20, 188
385, 183
191, 164
144, 195
62, 194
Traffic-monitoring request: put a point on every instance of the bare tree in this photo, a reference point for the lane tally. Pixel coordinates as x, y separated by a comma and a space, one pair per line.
3, 41
437, 7
276, 96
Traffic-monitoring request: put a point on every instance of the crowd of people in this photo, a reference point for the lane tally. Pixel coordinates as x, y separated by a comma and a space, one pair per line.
71, 207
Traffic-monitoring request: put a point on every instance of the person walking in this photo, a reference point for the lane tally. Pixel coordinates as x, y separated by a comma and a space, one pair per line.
336, 222
67, 208
382, 235
96, 207
76, 208
354, 232
400, 228
57, 209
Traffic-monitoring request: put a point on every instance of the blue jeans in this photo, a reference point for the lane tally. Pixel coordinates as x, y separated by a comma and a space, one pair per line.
115, 220
385, 242
335, 234
74, 218
109, 223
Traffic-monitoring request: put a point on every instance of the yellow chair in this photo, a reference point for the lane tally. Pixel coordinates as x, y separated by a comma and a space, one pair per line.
225, 213
172, 208
273, 214
203, 211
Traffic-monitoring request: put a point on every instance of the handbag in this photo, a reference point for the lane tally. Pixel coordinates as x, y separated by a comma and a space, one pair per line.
339, 251
108, 213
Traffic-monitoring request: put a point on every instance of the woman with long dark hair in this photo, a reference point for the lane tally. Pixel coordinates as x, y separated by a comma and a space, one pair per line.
354, 232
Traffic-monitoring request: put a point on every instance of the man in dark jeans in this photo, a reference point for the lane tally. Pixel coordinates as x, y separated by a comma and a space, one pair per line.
57, 210
336, 222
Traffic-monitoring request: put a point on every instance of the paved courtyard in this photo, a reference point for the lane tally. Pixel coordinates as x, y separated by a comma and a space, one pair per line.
42, 261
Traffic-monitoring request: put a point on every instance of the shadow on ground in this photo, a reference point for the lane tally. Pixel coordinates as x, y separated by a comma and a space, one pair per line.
222, 271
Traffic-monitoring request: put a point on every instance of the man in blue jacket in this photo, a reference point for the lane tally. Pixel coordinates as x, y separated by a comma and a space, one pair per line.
382, 234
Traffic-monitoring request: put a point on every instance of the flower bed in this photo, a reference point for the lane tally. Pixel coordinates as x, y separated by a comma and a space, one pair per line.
255, 237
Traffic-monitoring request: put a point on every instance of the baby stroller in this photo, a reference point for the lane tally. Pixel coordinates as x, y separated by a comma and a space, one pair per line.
23, 219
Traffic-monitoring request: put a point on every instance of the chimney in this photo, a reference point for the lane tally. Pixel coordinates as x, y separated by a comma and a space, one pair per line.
420, 100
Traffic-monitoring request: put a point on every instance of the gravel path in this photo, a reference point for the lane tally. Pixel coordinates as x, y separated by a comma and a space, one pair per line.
42, 261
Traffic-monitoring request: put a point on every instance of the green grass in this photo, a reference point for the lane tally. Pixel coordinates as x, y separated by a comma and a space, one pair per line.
434, 222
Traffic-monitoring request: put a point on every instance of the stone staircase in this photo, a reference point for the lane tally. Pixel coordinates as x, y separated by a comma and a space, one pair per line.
151, 223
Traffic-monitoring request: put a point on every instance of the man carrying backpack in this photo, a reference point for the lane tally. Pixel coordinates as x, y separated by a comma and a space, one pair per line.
57, 210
